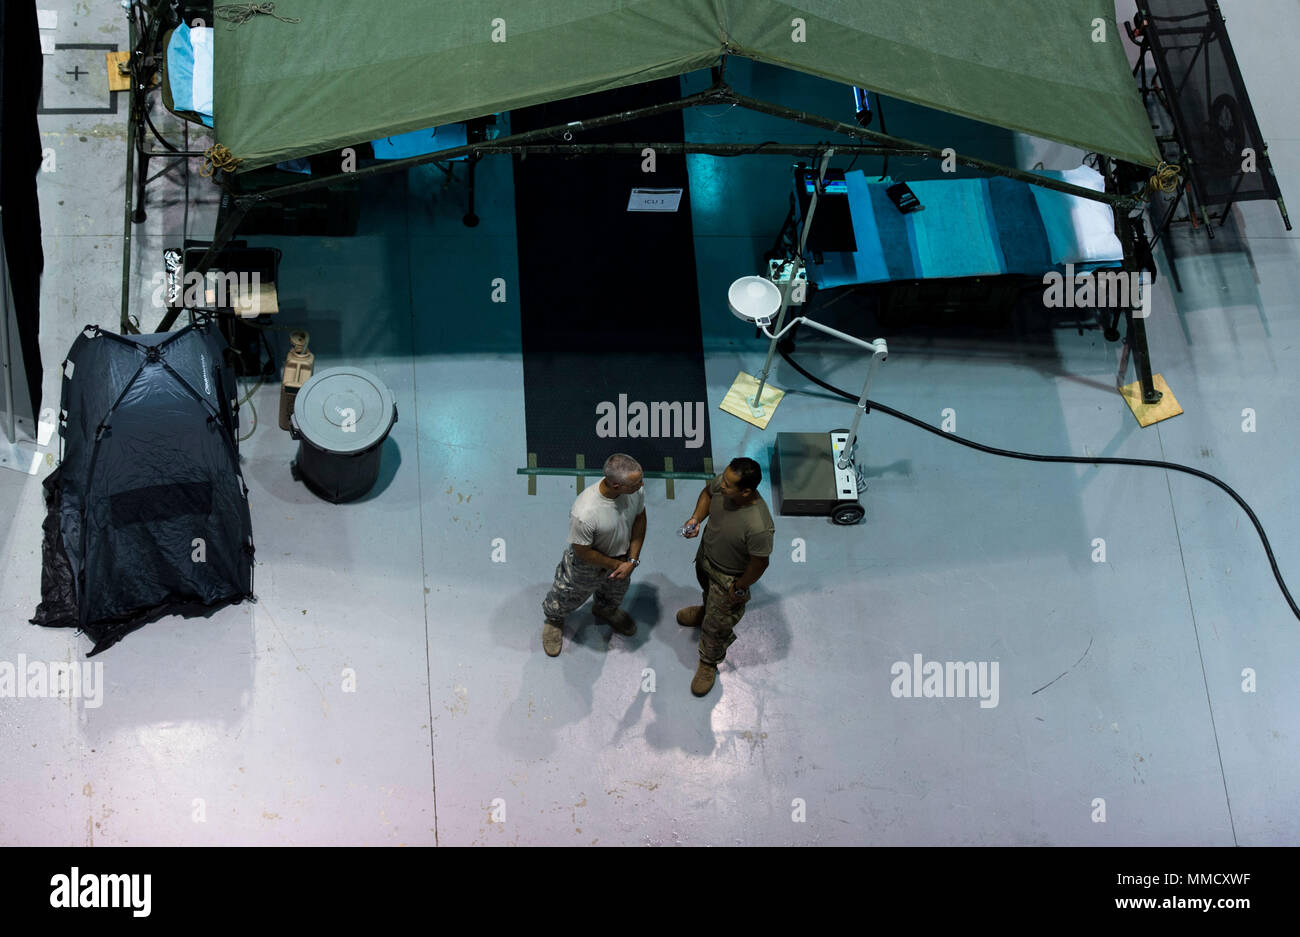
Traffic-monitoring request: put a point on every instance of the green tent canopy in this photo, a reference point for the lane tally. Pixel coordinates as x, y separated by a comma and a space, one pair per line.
356, 70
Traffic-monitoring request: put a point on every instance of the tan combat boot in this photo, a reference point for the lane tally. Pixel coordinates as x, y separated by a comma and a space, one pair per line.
705, 675
552, 637
618, 619
691, 617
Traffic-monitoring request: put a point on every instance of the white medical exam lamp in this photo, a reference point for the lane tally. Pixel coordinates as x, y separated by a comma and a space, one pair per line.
746, 398
814, 471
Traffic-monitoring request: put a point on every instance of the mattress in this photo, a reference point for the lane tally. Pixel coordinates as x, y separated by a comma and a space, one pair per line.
972, 227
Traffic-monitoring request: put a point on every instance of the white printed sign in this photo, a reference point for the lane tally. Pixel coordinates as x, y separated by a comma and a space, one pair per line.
654, 200
47, 19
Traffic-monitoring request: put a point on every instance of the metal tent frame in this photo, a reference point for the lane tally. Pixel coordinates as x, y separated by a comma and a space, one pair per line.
558, 139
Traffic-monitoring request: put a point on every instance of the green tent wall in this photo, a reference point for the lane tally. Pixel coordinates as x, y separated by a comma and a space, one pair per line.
355, 70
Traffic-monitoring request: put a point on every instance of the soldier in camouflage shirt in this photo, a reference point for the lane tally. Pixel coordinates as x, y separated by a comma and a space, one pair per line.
733, 554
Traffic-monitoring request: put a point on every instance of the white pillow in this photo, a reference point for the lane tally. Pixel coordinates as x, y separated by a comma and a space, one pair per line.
201, 40
1079, 230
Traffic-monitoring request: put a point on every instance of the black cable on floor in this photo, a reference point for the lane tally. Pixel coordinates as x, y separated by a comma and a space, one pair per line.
1081, 460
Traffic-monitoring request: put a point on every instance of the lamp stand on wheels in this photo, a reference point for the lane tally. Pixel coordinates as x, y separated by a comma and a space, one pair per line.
813, 474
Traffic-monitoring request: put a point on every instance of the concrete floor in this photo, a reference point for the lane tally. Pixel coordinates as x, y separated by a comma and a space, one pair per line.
1119, 680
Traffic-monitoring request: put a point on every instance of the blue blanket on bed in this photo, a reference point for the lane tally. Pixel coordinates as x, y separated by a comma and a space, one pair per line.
420, 142
180, 75
969, 227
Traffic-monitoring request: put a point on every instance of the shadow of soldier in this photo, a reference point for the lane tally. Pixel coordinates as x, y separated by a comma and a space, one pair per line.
549, 702
682, 721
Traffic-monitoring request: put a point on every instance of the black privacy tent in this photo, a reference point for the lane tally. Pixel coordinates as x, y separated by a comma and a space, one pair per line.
147, 511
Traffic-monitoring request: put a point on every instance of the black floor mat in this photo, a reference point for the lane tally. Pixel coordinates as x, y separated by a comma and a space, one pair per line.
613, 358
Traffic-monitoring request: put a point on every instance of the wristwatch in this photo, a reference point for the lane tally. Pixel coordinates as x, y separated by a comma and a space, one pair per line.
634, 561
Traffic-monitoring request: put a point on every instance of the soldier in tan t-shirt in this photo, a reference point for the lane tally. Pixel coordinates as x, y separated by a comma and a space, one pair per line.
733, 554
607, 527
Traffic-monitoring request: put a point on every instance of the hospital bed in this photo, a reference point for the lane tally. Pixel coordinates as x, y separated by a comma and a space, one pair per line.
973, 242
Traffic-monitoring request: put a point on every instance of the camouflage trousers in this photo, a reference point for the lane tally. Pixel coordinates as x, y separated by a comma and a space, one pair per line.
576, 581
720, 616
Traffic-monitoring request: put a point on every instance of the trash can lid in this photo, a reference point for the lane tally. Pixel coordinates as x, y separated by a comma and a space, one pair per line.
344, 410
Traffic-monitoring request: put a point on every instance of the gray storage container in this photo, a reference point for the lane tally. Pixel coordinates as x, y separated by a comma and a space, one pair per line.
341, 418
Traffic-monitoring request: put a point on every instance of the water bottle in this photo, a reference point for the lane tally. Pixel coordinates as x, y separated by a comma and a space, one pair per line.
683, 531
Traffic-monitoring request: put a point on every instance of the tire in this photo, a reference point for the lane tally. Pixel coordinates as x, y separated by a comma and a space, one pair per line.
846, 515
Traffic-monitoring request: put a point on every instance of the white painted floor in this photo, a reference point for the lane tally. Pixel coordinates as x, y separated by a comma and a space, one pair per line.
1120, 680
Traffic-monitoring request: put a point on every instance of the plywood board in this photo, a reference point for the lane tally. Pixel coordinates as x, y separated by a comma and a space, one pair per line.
736, 402
116, 80
1147, 413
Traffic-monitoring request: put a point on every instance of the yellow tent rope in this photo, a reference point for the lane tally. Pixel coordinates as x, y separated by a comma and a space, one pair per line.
1165, 178
239, 13
217, 157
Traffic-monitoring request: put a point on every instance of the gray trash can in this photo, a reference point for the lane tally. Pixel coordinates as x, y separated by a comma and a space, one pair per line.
341, 418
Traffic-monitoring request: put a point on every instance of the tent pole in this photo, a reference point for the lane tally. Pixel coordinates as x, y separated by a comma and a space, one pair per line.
718, 94
1136, 337
810, 150
852, 130
1137, 341
497, 148
708, 96
469, 219
124, 325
